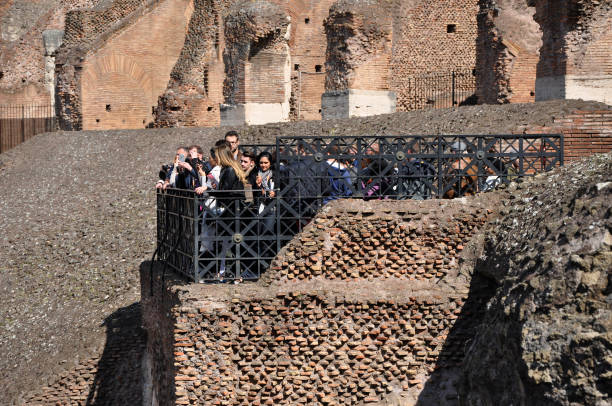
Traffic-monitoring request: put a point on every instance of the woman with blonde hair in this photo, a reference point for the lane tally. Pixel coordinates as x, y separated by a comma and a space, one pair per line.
230, 197
232, 179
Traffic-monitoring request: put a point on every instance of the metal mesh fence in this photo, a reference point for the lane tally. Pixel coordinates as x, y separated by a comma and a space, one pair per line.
210, 238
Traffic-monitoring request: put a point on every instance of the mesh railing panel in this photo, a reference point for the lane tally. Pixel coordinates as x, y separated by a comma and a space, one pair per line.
207, 238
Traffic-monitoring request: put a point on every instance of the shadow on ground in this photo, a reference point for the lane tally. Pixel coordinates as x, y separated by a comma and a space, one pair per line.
118, 379
441, 387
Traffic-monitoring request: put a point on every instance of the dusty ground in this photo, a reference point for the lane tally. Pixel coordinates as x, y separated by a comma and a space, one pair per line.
78, 219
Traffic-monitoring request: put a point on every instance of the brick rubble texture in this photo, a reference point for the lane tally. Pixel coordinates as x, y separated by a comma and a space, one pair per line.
315, 330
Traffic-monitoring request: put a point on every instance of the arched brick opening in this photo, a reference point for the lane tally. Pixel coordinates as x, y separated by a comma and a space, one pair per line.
116, 93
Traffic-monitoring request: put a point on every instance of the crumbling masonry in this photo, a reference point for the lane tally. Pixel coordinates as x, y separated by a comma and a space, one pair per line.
137, 63
367, 304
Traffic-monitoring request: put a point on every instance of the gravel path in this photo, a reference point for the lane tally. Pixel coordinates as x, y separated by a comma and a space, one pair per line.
78, 219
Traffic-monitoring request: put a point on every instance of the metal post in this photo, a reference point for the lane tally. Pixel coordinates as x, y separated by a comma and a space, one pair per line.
299, 98
561, 149
196, 229
440, 174
22, 123
453, 89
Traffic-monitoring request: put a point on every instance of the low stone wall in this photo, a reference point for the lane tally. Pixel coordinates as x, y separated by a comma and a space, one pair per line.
311, 332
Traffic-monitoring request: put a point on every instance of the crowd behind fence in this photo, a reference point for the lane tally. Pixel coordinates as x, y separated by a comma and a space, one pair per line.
19, 123
212, 239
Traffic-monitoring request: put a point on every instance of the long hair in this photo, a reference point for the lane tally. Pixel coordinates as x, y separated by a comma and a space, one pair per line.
226, 159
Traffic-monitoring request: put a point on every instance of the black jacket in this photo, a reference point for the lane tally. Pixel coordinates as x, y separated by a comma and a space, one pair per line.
230, 186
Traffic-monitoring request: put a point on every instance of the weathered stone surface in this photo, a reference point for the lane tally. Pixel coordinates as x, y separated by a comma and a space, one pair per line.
546, 336
358, 35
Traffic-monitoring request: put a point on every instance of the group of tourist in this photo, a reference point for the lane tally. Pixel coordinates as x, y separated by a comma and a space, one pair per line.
228, 180
227, 171
232, 173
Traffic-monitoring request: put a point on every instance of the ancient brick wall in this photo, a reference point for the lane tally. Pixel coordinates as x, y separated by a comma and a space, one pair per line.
365, 245
256, 54
194, 92
320, 328
136, 45
31, 95
585, 132
431, 36
306, 91
195, 89
551, 49
83, 27
308, 44
22, 52
507, 52
575, 58
522, 81
121, 82
359, 41
159, 294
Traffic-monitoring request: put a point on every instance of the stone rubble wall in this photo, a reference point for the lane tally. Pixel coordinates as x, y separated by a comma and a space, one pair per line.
546, 336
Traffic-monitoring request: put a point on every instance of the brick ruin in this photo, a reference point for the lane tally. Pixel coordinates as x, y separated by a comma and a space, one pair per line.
137, 63
359, 50
111, 78
585, 132
508, 51
542, 50
575, 60
373, 302
257, 65
29, 32
317, 31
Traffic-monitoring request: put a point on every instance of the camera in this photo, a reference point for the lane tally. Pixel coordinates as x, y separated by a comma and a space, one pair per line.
163, 172
194, 162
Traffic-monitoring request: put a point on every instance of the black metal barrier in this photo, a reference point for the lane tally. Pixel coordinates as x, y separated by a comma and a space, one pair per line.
207, 238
